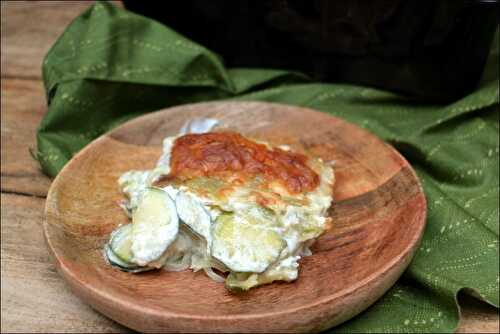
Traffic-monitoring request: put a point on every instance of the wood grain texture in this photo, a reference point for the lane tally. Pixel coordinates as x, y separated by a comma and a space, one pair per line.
28, 30
477, 316
23, 106
34, 297
379, 218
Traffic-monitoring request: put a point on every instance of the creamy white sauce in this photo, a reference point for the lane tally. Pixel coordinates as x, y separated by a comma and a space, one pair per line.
155, 226
193, 213
292, 219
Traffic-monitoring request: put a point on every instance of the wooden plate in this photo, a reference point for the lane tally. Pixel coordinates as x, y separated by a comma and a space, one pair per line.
379, 217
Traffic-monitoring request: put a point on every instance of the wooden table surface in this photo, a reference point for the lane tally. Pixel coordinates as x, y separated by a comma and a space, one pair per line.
33, 296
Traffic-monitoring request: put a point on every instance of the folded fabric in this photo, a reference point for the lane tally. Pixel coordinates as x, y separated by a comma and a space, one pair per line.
111, 65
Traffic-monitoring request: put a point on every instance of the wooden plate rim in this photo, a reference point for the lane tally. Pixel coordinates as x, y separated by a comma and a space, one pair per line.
406, 254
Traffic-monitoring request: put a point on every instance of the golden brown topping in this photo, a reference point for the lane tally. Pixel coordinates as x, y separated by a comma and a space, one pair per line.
232, 157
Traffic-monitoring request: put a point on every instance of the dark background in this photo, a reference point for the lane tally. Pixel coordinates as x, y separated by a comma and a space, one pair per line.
428, 50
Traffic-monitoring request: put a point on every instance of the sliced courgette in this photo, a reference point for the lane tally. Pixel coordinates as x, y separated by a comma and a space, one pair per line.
155, 226
245, 246
118, 252
121, 242
193, 213
115, 261
240, 282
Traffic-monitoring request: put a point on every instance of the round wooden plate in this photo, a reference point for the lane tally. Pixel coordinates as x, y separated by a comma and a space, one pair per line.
379, 217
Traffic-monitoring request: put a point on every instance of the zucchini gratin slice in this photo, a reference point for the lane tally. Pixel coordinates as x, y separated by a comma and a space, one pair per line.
243, 211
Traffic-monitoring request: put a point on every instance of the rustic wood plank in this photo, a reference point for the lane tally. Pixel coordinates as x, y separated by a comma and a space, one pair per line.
23, 106
34, 297
29, 28
477, 317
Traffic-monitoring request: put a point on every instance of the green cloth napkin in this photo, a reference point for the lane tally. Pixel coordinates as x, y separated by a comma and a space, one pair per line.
111, 65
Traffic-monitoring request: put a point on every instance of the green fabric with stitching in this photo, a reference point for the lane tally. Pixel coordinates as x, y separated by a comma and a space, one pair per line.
111, 65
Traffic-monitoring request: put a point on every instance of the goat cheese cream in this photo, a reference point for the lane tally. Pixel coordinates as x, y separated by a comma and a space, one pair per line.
243, 211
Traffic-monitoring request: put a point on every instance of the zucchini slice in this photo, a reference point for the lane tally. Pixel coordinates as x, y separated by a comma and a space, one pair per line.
193, 213
118, 252
243, 245
240, 282
115, 261
155, 226
121, 242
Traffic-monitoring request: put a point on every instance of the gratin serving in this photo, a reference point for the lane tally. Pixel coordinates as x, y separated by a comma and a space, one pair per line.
239, 209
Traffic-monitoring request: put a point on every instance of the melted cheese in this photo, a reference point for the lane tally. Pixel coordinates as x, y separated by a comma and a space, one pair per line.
291, 200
